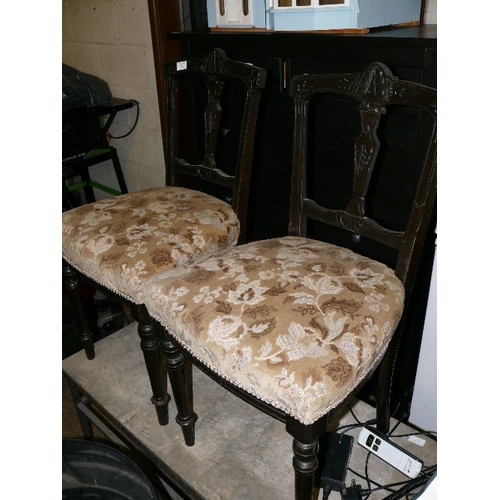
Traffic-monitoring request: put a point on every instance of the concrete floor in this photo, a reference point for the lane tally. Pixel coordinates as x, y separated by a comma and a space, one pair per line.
239, 453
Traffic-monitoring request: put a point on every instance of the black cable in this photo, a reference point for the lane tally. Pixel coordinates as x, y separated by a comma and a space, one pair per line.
431, 434
327, 489
411, 485
353, 415
352, 492
367, 492
426, 474
349, 427
407, 486
133, 126
389, 487
367, 478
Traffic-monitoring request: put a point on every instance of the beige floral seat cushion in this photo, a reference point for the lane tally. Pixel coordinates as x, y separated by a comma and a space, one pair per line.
121, 242
293, 321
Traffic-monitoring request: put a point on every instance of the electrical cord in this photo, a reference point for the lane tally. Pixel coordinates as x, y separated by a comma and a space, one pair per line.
349, 427
431, 434
355, 492
133, 126
403, 492
405, 487
351, 411
409, 486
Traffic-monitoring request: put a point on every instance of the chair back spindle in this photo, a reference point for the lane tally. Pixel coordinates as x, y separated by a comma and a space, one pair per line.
375, 90
220, 76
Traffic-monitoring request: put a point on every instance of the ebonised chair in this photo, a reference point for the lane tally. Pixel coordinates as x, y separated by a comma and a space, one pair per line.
117, 244
294, 325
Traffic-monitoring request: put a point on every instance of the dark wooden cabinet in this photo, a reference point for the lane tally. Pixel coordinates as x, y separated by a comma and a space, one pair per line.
409, 52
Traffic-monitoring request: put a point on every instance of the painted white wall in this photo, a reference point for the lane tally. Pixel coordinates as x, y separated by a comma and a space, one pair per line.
430, 15
112, 40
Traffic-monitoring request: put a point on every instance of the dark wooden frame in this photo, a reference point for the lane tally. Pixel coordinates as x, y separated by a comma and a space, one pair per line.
218, 71
410, 53
375, 89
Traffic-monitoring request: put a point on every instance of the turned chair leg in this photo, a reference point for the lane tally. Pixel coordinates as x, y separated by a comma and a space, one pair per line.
72, 285
150, 345
175, 363
305, 462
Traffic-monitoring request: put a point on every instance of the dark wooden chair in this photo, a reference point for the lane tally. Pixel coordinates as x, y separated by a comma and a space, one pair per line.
117, 244
294, 325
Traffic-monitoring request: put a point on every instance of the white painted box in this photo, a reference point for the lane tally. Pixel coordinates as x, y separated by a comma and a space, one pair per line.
237, 13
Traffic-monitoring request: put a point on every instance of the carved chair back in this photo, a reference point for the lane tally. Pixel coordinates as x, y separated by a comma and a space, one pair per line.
212, 105
376, 97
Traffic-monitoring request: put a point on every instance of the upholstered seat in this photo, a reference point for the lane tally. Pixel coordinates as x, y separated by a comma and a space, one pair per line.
123, 241
295, 322
117, 244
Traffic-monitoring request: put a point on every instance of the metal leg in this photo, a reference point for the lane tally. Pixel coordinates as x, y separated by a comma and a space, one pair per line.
85, 423
88, 188
118, 171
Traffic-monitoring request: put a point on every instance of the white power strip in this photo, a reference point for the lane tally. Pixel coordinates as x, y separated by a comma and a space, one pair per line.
394, 455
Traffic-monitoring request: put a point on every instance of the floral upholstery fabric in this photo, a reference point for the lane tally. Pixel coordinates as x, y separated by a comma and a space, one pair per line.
121, 242
296, 322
